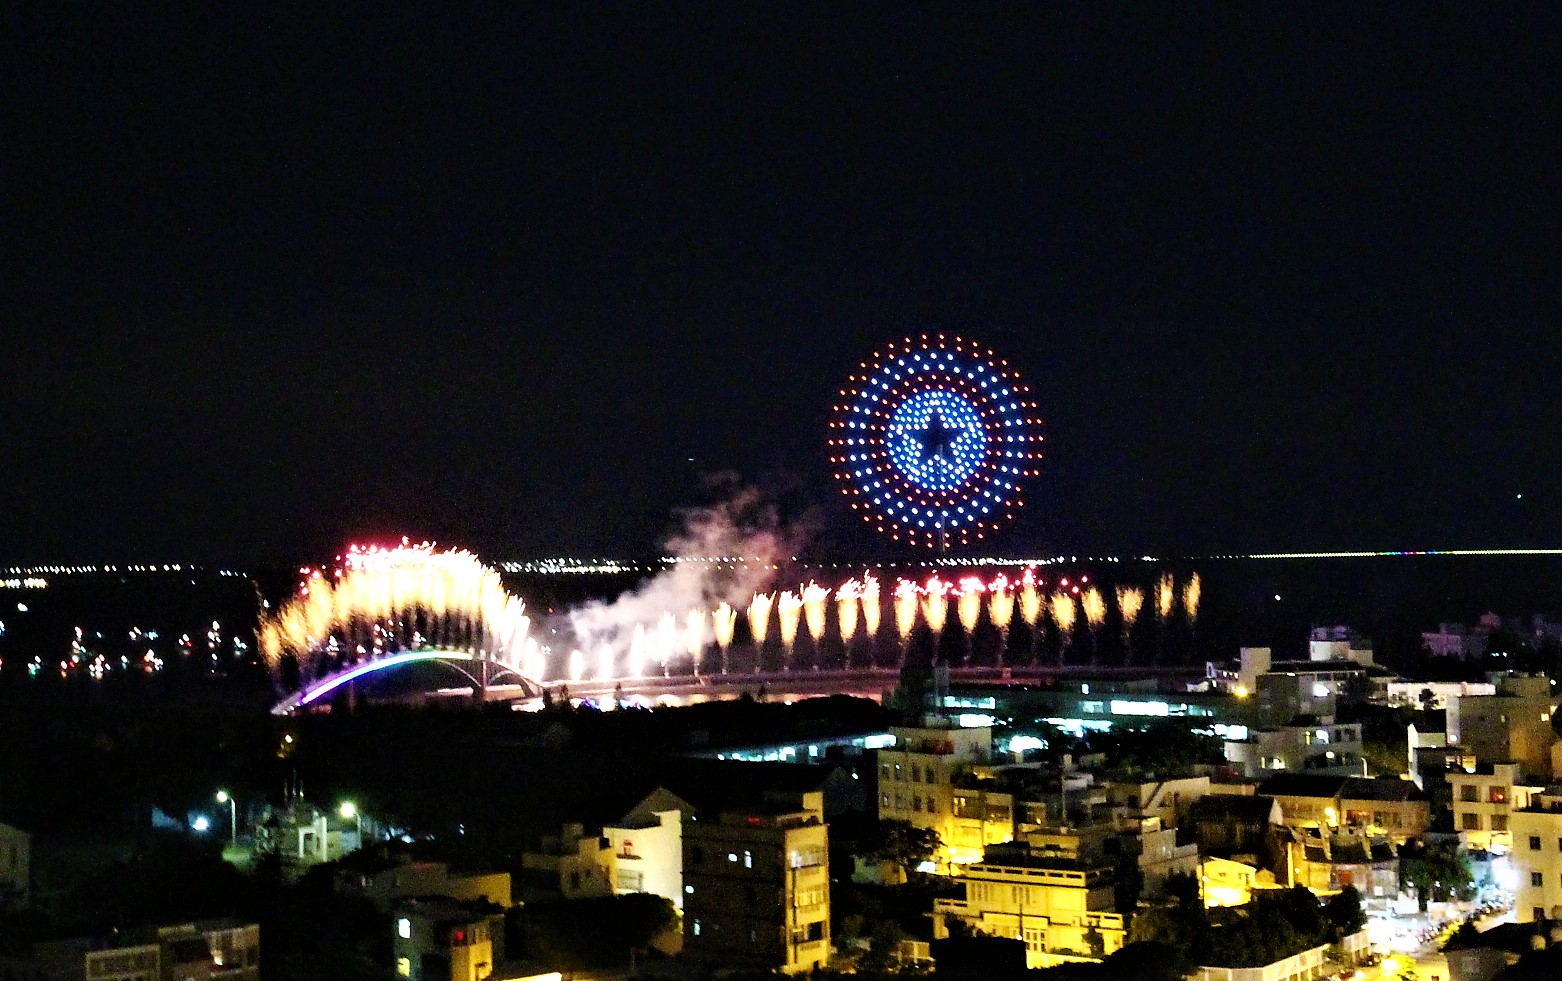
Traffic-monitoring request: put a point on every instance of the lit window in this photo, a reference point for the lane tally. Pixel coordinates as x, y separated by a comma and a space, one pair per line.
732, 856
748, 860
404, 928
404, 966
696, 928
689, 889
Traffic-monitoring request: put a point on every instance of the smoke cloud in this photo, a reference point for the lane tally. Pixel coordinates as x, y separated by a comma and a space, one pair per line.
746, 527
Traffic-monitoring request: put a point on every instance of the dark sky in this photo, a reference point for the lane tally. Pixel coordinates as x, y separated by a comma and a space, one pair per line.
1279, 280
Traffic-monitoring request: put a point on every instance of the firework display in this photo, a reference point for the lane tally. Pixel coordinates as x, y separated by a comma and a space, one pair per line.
383, 607
931, 440
381, 601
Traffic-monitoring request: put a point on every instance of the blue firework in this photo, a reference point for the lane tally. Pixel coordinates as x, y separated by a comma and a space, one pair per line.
932, 439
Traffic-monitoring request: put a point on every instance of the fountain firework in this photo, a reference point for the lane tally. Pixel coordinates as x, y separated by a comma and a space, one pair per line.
815, 597
666, 640
848, 600
1030, 610
870, 615
906, 600
1062, 607
1192, 590
723, 621
1000, 610
935, 608
694, 636
1130, 600
789, 611
759, 625
1094, 605
384, 600
968, 607
1165, 595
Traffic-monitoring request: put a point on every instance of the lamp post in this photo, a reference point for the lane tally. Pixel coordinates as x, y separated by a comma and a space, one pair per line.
223, 797
349, 812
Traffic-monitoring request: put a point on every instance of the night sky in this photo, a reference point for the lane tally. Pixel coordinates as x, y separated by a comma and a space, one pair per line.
1279, 280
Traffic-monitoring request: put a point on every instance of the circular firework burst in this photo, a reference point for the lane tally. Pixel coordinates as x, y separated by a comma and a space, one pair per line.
931, 439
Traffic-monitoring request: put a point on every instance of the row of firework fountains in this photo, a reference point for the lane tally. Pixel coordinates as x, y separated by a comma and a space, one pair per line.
859, 609
380, 601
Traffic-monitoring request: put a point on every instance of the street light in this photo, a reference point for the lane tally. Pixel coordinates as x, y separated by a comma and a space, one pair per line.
223, 797
349, 812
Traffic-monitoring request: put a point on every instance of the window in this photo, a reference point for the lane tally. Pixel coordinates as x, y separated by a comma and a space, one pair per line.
732, 856
696, 928
404, 966
748, 860
404, 928
1469, 793
1537, 879
1499, 822
1470, 822
1538, 912
1497, 795
1534, 843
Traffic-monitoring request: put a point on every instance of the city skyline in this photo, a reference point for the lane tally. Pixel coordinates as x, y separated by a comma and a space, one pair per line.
1278, 283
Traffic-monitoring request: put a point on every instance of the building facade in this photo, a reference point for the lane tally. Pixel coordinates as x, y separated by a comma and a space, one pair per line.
442, 939
646, 847
757, 886
930, 779
1512, 726
1484, 797
1062, 910
208, 950
1537, 857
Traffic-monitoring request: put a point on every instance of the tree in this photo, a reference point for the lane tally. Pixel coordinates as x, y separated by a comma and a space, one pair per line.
1184, 888
1344, 912
1438, 873
1127, 886
904, 844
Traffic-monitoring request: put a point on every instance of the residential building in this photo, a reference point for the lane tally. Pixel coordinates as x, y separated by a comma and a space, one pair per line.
757, 886
1306, 742
1232, 824
646, 847
442, 939
1392, 806
1429, 730
388, 873
571, 864
930, 778
1225, 882
1061, 909
1338, 643
1329, 859
1484, 796
1451, 640
1292, 688
208, 950
16, 847
1434, 695
1512, 726
1168, 799
1537, 857
1119, 839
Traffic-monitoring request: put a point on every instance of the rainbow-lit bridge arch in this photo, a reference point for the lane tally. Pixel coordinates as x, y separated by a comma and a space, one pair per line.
381, 608
479, 671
